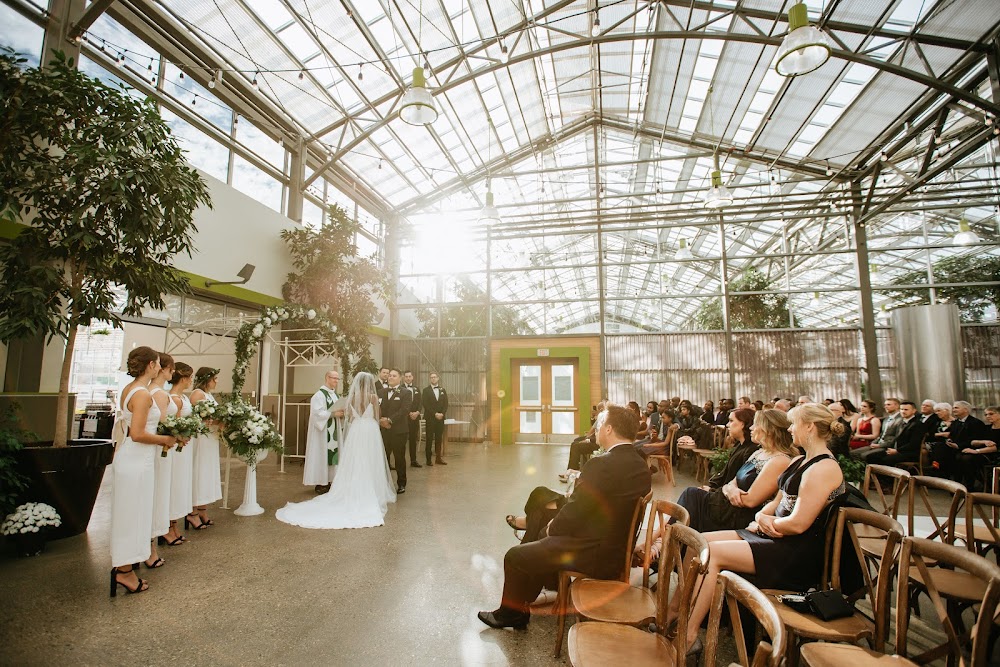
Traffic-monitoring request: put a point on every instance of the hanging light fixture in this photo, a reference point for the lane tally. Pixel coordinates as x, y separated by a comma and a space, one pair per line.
595, 29
805, 47
815, 302
718, 195
683, 252
965, 234
489, 214
418, 104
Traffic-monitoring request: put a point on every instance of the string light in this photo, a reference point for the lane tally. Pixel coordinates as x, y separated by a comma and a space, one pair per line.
361, 74
302, 74
254, 82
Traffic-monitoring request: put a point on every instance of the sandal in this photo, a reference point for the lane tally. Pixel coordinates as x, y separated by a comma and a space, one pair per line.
142, 586
188, 523
159, 562
512, 522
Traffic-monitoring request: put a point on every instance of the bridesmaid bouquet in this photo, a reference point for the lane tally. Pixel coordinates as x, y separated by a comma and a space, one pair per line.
205, 410
182, 428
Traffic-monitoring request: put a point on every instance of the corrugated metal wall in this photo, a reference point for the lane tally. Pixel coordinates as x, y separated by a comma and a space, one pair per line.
461, 365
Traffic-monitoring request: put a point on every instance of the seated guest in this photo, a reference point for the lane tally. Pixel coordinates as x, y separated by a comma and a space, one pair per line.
782, 404
581, 447
725, 407
891, 426
906, 444
640, 418
652, 420
981, 452
744, 403
851, 413
867, 426
942, 453
758, 405
783, 547
657, 444
928, 418
839, 444
591, 530
708, 416
733, 504
691, 429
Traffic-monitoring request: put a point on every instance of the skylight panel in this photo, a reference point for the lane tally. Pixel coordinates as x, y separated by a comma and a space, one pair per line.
704, 67
298, 41
271, 12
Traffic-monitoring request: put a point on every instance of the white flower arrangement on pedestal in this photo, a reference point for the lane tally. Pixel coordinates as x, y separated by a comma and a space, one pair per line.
30, 518
248, 431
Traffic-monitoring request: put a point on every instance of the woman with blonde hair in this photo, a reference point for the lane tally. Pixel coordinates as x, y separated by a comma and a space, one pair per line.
783, 546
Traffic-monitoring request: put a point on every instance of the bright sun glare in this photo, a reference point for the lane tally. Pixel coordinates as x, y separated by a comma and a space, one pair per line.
444, 243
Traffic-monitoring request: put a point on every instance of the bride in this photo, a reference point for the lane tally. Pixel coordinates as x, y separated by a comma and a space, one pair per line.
362, 487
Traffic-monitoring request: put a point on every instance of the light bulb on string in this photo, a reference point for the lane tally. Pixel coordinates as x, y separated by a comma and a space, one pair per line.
194, 100
121, 60
302, 74
254, 82
504, 54
595, 29
361, 73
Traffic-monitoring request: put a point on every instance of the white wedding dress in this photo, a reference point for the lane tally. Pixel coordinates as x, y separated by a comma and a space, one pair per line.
362, 489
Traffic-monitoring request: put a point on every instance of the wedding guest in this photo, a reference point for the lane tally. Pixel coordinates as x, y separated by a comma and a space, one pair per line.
652, 421
851, 413
981, 453
323, 438
163, 465
840, 444
435, 404
658, 443
733, 503
206, 480
725, 407
943, 454
589, 533
783, 547
891, 426
782, 404
745, 403
582, 447
180, 475
928, 418
383, 380
758, 405
413, 435
803, 400
709, 412
964, 429
132, 473
906, 445
867, 426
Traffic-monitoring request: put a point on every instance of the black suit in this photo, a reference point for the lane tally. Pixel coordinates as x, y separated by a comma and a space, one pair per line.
589, 534
395, 406
722, 418
907, 445
434, 427
413, 435
930, 424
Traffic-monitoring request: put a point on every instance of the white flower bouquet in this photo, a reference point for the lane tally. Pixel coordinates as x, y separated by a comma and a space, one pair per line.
30, 518
248, 431
205, 410
182, 428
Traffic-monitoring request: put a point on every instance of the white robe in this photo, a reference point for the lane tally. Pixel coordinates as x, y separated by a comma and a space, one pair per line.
316, 471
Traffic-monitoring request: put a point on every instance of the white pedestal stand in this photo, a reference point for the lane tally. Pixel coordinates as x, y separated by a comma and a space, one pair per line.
250, 506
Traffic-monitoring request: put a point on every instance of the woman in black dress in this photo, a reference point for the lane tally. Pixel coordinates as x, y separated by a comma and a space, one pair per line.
783, 546
733, 503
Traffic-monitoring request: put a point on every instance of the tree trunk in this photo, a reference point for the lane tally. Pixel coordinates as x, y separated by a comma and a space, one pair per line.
62, 403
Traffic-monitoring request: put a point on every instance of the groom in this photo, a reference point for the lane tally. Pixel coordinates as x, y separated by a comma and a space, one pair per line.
322, 441
395, 409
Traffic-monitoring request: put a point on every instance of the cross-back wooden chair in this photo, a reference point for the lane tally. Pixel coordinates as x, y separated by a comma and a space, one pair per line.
887, 503
703, 467
685, 556
664, 462
737, 591
852, 629
566, 577
985, 538
943, 529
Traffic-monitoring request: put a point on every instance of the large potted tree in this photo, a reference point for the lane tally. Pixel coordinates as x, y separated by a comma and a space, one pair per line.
105, 200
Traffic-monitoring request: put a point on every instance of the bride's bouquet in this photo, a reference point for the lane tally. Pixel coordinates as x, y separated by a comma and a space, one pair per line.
182, 428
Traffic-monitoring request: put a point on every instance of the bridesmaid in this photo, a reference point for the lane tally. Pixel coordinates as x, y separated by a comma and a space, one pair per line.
206, 480
132, 473
180, 475
164, 464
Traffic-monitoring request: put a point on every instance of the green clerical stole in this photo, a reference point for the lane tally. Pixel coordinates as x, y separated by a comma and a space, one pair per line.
332, 455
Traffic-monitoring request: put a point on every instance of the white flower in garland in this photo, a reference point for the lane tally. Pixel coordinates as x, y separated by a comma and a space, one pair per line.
257, 331
311, 314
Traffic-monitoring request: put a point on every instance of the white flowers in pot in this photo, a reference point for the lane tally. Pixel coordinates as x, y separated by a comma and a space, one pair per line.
30, 518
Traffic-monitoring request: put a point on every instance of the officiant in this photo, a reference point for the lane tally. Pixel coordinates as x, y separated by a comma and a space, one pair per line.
326, 425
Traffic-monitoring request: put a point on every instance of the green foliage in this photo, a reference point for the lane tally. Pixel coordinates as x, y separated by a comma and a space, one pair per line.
106, 192
746, 311
853, 469
12, 439
720, 457
331, 277
972, 301
472, 319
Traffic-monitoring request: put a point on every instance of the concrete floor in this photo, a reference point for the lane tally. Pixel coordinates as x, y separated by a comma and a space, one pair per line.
255, 591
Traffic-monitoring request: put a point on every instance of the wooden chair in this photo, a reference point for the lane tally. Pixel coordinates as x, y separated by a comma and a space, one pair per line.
737, 591
593, 643
703, 464
617, 601
919, 486
566, 576
872, 538
852, 629
685, 451
664, 462
985, 538
915, 556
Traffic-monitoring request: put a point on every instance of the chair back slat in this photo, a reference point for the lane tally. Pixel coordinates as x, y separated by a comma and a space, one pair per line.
737, 592
915, 554
976, 503
900, 483
680, 543
943, 530
636, 525
660, 511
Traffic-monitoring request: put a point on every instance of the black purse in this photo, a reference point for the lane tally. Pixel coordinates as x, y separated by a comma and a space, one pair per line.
827, 605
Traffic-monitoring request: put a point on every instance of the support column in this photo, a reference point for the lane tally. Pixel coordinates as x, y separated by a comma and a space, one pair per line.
61, 16
727, 325
874, 384
295, 178
392, 264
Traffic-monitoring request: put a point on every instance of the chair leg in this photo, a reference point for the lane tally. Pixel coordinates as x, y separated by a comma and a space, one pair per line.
561, 604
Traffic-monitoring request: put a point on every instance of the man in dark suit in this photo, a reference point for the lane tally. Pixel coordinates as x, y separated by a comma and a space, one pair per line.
928, 418
725, 407
382, 383
413, 435
590, 533
906, 447
395, 409
435, 405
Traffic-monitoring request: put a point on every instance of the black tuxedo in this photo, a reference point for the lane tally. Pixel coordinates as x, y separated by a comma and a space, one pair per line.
434, 427
722, 418
413, 425
589, 534
907, 445
395, 404
930, 424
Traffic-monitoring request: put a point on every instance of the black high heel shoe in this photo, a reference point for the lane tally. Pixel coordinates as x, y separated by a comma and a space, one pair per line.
194, 526
141, 587
161, 540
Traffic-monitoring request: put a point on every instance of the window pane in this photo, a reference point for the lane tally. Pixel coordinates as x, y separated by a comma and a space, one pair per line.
531, 380
20, 34
563, 423
250, 180
562, 385
200, 150
264, 146
208, 106
531, 422
197, 311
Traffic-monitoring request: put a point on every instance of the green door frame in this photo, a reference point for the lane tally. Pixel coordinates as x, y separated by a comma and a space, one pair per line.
582, 356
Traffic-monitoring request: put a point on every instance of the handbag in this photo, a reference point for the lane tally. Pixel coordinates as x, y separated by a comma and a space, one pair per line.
826, 605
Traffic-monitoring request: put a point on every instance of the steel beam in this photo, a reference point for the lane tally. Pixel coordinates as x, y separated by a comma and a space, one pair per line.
91, 14
869, 339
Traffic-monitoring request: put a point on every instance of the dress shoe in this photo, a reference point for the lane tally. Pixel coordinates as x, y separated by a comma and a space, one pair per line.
430, 463
502, 618
414, 464
440, 462
400, 489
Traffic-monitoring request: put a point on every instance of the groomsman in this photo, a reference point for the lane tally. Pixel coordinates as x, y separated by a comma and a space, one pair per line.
323, 438
435, 404
382, 383
395, 411
414, 422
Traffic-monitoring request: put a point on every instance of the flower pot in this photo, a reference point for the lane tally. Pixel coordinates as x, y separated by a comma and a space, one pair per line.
68, 478
249, 507
30, 544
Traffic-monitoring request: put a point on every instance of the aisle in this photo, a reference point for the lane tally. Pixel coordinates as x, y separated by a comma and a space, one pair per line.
256, 591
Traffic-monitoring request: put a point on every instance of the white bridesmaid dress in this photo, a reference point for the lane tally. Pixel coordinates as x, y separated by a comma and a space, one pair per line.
180, 476
206, 480
161, 483
132, 474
